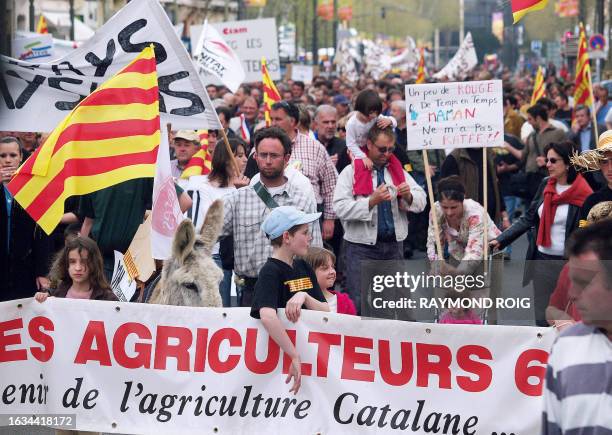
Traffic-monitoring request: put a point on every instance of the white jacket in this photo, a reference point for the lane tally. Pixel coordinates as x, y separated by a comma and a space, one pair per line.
359, 221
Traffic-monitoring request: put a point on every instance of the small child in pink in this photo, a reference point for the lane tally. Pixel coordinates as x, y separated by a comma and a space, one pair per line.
322, 262
459, 316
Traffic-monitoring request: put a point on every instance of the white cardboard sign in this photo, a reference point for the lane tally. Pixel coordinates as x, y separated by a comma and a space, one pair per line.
251, 40
455, 115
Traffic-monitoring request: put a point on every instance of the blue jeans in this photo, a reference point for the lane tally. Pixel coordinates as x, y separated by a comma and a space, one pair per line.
225, 286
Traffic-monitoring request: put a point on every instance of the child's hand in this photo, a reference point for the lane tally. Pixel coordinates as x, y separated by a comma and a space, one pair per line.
295, 372
383, 122
294, 306
41, 296
367, 163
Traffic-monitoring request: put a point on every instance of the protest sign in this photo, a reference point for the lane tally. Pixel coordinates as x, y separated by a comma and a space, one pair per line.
302, 73
455, 115
141, 368
37, 96
462, 62
251, 40
122, 284
33, 46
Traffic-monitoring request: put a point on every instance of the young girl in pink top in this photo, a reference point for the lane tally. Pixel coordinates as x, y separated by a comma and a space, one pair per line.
457, 316
322, 262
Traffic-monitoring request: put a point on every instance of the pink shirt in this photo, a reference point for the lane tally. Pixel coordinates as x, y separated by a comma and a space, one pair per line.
79, 295
470, 319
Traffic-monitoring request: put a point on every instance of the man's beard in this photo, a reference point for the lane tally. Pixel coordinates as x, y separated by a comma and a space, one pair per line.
270, 173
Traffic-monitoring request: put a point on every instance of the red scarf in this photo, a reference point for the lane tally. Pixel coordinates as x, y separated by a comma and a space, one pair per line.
575, 195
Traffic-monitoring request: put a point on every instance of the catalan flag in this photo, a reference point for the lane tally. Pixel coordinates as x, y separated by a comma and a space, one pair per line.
522, 7
42, 25
271, 94
110, 137
583, 93
201, 162
538, 86
421, 69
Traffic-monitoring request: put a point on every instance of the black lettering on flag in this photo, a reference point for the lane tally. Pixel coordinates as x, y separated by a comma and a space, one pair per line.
164, 82
127, 46
55, 83
102, 64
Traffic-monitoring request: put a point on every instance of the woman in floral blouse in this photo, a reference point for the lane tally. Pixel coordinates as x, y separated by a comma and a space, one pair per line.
460, 222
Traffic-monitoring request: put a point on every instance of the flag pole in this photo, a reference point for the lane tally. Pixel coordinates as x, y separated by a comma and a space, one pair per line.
228, 148
433, 205
593, 114
485, 204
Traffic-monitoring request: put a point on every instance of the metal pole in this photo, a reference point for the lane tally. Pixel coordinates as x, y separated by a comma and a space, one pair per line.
32, 24
335, 28
71, 2
461, 20
315, 42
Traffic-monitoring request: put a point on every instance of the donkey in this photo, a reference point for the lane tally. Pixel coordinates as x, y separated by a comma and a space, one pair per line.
190, 277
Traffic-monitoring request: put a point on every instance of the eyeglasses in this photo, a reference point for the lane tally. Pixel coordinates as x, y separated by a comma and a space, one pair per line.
384, 150
553, 160
271, 156
342, 129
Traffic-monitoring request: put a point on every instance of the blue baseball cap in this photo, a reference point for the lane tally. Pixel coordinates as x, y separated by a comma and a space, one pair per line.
284, 218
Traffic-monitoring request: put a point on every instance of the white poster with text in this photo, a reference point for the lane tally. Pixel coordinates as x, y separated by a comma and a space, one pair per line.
455, 115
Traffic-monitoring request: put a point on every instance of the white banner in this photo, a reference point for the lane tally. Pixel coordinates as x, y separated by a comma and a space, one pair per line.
46, 92
134, 368
214, 56
251, 40
462, 62
455, 115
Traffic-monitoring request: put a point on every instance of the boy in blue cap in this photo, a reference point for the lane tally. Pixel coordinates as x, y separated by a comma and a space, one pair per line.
287, 282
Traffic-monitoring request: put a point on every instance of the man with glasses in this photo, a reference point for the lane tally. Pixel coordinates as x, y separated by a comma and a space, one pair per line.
247, 207
577, 392
311, 158
375, 225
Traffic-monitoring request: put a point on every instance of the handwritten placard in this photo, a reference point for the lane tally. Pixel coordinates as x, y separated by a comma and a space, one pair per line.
455, 115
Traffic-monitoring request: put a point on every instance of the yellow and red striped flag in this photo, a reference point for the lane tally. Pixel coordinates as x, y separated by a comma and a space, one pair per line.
522, 7
583, 93
201, 162
42, 25
538, 86
271, 94
421, 69
110, 137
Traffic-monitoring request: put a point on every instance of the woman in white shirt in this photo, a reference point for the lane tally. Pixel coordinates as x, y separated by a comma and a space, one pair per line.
204, 189
552, 216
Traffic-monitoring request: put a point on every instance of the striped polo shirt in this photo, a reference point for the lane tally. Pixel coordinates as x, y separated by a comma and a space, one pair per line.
578, 388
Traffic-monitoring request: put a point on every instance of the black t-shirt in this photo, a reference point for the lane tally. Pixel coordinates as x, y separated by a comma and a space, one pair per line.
604, 194
278, 282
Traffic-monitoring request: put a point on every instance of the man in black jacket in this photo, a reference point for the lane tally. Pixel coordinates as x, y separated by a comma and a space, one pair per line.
24, 247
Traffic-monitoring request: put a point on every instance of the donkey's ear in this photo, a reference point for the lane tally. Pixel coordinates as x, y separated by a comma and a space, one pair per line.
183, 242
213, 223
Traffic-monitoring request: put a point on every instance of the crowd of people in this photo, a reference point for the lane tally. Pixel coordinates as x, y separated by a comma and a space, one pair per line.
331, 183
